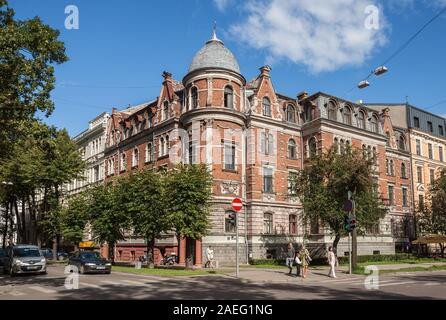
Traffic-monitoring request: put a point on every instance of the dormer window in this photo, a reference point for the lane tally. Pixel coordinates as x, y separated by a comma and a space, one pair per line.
332, 111
266, 105
290, 114
347, 115
165, 113
374, 124
229, 97
402, 144
361, 120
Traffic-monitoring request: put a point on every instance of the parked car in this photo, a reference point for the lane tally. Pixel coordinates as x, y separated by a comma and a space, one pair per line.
48, 254
24, 259
2, 259
90, 262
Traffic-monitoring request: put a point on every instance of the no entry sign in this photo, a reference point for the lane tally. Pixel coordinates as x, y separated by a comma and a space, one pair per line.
237, 204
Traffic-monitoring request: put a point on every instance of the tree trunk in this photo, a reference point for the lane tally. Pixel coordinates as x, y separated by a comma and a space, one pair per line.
151, 254
5, 230
55, 249
442, 250
25, 234
20, 230
111, 252
190, 248
335, 243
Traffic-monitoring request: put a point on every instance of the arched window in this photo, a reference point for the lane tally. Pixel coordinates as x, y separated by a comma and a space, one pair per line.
308, 113
369, 153
403, 170
292, 154
374, 124
194, 97
268, 223
392, 168
167, 146
165, 114
336, 145
290, 114
229, 97
150, 122
312, 147
123, 162
347, 115
293, 224
332, 111
161, 147
266, 105
361, 120
342, 146
402, 143
135, 159
149, 152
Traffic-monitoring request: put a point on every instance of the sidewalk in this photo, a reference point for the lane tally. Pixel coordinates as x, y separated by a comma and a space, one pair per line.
314, 274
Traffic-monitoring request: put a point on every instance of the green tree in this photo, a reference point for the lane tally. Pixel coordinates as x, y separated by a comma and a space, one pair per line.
147, 207
432, 215
323, 185
188, 194
75, 218
29, 50
110, 221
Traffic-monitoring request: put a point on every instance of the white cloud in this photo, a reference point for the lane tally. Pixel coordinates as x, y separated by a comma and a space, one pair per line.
322, 35
222, 4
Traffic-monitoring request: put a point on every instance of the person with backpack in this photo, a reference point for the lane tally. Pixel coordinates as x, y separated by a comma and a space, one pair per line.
290, 257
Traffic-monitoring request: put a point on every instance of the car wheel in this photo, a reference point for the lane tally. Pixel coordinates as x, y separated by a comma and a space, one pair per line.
108, 272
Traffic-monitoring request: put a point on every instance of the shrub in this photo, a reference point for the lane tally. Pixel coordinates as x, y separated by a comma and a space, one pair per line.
380, 258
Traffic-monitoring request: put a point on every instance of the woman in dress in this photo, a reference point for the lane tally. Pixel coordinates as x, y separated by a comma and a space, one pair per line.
305, 260
331, 262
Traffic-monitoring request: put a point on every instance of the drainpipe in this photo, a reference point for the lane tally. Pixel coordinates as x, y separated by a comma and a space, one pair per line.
245, 160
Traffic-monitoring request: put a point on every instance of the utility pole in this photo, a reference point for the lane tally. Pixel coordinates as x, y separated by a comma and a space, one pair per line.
237, 271
354, 240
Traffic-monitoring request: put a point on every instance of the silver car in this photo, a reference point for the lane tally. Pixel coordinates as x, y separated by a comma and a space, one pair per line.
24, 259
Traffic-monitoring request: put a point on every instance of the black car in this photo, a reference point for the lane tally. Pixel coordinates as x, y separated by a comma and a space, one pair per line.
90, 262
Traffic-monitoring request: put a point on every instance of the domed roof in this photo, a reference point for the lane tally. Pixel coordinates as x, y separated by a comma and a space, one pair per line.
214, 55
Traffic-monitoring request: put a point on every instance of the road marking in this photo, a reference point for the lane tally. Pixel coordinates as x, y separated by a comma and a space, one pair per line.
432, 284
137, 283
114, 283
396, 283
16, 293
41, 289
90, 285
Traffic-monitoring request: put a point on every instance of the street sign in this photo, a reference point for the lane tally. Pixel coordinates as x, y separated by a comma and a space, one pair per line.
348, 206
237, 204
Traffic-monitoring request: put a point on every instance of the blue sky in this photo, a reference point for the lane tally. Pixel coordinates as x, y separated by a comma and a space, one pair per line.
122, 47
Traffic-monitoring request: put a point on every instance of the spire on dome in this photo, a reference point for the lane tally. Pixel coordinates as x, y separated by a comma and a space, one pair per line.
214, 34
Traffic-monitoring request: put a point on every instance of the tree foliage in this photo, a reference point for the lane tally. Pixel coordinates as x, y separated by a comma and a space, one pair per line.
323, 186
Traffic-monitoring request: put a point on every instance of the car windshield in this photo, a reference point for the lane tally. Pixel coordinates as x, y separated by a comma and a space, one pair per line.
90, 255
26, 252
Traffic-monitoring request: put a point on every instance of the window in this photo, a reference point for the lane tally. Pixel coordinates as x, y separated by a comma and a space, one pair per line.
292, 181
332, 111
266, 106
230, 222
374, 124
416, 122
388, 167
314, 226
430, 150
149, 153
293, 224
267, 223
165, 113
347, 115
229, 98
167, 146
266, 143
420, 174
430, 127
308, 113
402, 143
268, 180
391, 195
432, 175
440, 130
292, 149
392, 168
135, 158
418, 147
111, 167
405, 198
312, 146
192, 151
290, 114
161, 147
194, 97
150, 122
440, 154
403, 170
229, 155
361, 120
123, 162
336, 145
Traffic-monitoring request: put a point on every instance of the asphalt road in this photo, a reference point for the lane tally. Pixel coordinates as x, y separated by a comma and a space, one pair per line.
118, 285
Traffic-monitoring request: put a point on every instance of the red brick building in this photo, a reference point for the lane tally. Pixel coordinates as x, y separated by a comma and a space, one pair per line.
254, 139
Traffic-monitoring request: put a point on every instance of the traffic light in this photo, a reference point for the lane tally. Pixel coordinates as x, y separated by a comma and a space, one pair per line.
352, 223
232, 218
346, 223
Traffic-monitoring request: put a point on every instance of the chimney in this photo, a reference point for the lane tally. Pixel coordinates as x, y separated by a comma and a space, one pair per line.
302, 95
265, 71
167, 76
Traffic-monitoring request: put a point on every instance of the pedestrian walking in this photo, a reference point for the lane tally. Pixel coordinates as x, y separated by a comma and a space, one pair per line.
290, 257
298, 264
332, 261
210, 257
305, 258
